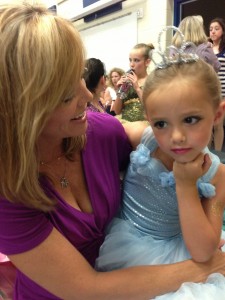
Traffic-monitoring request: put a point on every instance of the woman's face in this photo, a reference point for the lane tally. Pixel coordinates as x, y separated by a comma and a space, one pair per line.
216, 32
115, 77
69, 119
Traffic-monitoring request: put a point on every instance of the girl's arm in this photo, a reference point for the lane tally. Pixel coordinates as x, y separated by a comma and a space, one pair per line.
117, 106
211, 58
59, 268
201, 231
134, 131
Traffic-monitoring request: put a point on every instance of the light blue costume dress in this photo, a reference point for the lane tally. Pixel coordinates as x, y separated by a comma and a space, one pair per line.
148, 229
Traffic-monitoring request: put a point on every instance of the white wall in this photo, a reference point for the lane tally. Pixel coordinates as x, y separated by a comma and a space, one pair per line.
111, 41
156, 15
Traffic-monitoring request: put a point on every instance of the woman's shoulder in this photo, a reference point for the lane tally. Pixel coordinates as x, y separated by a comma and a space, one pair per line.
102, 119
103, 125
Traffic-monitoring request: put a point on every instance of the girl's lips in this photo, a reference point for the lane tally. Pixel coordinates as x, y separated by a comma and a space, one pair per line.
181, 150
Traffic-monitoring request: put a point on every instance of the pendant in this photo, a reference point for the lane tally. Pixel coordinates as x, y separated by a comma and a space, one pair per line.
64, 182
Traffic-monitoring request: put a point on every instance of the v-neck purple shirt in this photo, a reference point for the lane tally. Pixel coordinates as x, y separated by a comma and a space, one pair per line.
21, 229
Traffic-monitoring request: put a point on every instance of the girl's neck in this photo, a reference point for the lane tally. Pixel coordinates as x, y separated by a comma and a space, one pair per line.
141, 79
165, 159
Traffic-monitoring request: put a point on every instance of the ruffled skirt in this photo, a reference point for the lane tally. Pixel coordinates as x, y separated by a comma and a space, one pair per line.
125, 246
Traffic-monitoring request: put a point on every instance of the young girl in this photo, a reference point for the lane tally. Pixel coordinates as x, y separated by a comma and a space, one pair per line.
217, 36
174, 194
130, 105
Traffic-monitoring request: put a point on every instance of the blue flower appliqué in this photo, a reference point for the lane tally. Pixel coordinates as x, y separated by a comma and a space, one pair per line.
205, 189
167, 179
139, 160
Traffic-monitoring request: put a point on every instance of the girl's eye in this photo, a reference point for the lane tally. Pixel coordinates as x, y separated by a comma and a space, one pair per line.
160, 124
192, 120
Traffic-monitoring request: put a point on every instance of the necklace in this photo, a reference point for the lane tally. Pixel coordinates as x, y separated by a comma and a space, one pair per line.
64, 182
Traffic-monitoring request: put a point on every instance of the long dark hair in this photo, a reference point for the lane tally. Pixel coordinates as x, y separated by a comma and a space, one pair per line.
94, 70
222, 24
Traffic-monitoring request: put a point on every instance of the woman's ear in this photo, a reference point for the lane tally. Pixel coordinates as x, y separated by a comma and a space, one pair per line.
219, 116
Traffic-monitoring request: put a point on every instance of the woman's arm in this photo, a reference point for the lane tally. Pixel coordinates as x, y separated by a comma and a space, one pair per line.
107, 97
209, 56
200, 234
58, 267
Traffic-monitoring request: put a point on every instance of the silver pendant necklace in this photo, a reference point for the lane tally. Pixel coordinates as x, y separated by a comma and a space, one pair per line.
64, 182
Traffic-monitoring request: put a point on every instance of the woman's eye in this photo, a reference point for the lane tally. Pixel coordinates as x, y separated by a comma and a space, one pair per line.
160, 124
67, 100
192, 120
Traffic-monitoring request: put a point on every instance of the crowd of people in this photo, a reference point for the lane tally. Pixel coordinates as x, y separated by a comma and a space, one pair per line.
63, 154
121, 94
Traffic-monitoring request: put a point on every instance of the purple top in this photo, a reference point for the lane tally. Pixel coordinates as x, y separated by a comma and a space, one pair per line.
21, 228
205, 52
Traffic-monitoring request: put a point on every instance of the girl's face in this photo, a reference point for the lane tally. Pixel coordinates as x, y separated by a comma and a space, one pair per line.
115, 77
138, 62
215, 31
182, 118
69, 119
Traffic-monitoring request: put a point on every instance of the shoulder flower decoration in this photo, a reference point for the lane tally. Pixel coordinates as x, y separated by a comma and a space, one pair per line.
139, 160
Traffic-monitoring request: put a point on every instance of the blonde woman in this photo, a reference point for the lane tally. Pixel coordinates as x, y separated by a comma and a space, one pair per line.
193, 30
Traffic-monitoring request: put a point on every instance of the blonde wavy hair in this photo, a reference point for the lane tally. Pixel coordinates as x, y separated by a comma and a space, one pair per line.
193, 30
41, 60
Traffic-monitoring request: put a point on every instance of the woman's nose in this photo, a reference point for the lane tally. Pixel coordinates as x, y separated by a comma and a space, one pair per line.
85, 94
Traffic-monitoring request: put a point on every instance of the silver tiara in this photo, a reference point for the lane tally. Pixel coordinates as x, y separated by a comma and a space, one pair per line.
179, 58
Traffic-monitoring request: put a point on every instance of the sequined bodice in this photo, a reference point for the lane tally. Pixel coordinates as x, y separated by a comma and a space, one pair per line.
149, 199
133, 109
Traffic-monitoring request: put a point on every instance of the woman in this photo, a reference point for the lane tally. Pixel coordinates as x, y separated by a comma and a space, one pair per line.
94, 76
60, 166
110, 92
193, 30
217, 36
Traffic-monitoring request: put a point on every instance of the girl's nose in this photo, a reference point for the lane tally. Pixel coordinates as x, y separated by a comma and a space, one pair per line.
178, 137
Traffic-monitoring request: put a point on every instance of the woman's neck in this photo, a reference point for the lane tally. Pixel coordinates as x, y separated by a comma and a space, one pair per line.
216, 46
95, 102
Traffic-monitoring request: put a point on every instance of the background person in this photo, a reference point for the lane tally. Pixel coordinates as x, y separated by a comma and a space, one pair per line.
192, 28
217, 36
110, 94
94, 76
129, 103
